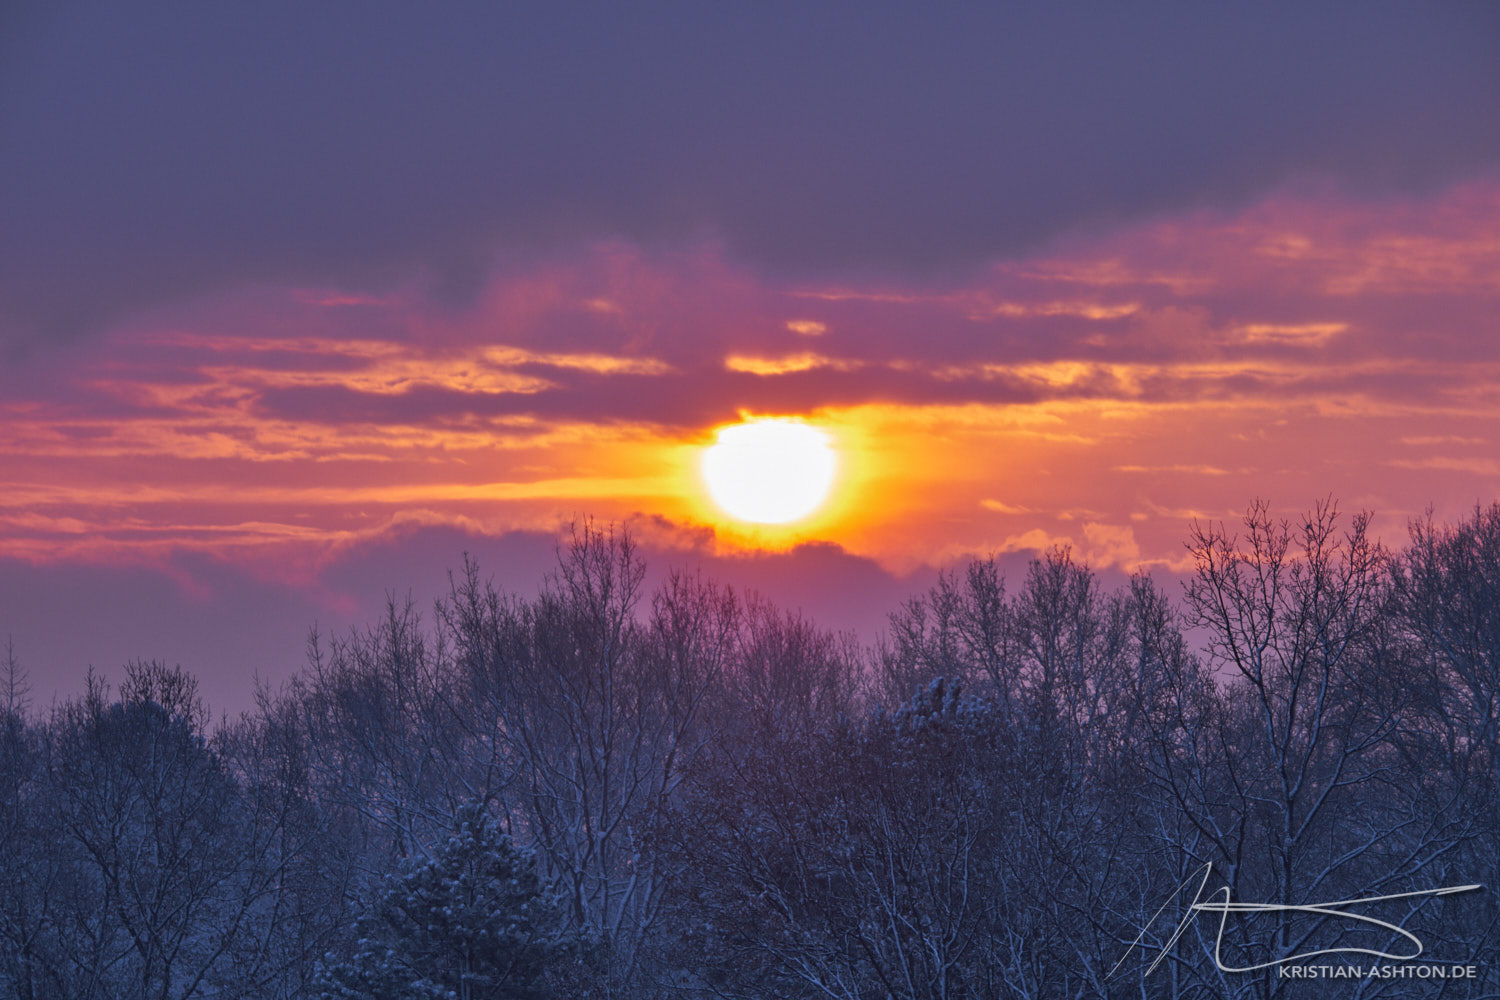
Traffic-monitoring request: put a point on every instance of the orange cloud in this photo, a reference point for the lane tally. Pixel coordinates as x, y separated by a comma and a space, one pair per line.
1100, 395
784, 364
1297, 334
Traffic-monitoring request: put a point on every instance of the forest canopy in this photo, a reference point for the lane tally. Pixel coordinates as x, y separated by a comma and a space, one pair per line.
601, 790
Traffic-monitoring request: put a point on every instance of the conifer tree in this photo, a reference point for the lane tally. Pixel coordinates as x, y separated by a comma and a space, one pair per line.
471, 923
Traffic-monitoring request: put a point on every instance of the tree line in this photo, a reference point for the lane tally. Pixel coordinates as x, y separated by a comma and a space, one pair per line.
601, 790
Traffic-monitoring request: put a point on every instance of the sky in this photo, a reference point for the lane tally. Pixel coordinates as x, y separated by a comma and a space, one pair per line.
300, 303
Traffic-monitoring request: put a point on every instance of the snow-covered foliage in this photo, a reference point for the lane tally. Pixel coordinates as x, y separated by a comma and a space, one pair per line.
703, 796
471, 923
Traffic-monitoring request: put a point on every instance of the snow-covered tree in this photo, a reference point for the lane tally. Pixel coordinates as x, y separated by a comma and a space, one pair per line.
470, 923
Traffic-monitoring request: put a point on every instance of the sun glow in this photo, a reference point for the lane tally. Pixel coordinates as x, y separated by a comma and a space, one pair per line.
769, 471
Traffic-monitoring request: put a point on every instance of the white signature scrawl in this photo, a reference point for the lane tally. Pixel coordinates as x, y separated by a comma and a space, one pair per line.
1337, 908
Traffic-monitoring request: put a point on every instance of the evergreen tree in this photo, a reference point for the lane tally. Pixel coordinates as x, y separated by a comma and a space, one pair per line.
472, 923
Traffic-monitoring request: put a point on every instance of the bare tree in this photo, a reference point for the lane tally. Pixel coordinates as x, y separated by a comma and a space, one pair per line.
30, 875
786, 674
376, 707
176, 878
595, 712
1311, 741
961, 629
1447, 588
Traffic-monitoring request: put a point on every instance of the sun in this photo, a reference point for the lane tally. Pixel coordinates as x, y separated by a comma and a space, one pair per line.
769, 471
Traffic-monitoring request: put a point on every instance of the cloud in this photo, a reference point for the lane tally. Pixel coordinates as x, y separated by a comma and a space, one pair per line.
278, 429
1111, 545
1001, 507
231, 625
152, 158
1295, 334
807, 327
1487, 467
785, 364
1423, 440
1195, 470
